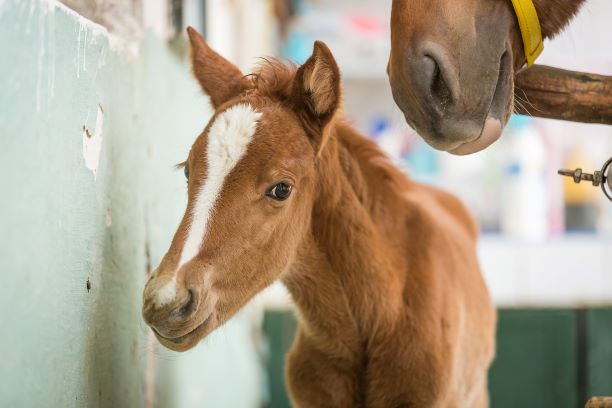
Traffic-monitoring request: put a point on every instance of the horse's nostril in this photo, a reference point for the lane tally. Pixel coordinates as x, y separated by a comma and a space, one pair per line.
187, 307
438, 87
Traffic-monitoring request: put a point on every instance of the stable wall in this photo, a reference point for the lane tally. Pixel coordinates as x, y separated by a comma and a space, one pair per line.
76, 245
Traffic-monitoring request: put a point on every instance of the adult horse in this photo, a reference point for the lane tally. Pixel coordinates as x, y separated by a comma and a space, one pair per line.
393, 310
453, 64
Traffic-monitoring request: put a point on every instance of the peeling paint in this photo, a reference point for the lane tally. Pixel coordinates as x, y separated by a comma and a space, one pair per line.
128, 44
50, 59
41, 55
92, 144
85, 52
30, 14
96, 29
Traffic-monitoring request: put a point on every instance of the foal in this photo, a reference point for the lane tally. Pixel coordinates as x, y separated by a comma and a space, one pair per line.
393, 310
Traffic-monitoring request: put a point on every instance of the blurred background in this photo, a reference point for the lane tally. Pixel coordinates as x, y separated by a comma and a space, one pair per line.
98, 105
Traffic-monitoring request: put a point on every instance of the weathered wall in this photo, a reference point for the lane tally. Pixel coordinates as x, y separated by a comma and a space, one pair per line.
75, 247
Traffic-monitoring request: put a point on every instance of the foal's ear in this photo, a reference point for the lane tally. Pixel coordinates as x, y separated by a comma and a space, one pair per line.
316, 87
219, 78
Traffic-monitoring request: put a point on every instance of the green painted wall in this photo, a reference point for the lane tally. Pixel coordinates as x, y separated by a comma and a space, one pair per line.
66, 342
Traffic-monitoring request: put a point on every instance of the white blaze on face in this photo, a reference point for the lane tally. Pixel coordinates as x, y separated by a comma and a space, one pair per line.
228, 139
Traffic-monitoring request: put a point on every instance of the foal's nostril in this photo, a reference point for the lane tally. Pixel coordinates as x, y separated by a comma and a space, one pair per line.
187, 307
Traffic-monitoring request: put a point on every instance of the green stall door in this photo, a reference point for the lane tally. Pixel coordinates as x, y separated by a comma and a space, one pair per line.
598, 342
545, 358
537, 360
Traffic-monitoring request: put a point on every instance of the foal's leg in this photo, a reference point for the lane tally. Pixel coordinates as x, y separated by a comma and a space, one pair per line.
314, 380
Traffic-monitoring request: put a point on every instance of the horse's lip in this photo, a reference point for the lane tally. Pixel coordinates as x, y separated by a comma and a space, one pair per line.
491, 131
181, 339
492, 127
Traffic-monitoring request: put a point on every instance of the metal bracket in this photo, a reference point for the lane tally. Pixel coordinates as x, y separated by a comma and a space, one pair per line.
601, 178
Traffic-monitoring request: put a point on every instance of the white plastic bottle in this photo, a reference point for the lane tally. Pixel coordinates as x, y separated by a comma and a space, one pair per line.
524, 207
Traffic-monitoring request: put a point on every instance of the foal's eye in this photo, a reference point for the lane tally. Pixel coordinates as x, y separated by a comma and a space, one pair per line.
186, 171
280, 192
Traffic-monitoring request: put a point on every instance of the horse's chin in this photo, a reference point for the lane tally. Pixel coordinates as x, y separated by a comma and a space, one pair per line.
491, 131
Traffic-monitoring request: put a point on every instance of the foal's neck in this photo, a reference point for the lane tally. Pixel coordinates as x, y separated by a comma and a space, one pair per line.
343, 281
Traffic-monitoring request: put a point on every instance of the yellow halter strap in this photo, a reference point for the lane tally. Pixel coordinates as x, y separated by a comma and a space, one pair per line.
530, 29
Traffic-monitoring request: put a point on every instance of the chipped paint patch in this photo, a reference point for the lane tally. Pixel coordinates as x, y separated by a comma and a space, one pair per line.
95, 28
123, 33
92, 144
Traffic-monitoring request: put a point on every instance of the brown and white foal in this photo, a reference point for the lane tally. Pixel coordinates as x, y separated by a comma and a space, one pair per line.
393, 310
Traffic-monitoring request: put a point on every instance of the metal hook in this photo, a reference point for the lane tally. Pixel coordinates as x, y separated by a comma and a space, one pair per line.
601, 178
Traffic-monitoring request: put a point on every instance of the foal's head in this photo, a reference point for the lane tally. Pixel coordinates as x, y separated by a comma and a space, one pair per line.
251, 185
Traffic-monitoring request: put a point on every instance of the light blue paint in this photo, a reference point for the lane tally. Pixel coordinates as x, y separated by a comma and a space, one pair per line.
62, 345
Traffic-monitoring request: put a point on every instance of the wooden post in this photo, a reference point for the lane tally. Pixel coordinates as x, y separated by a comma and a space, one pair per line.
554, 93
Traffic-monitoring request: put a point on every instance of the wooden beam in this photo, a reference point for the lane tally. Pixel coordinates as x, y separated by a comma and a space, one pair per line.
554, 93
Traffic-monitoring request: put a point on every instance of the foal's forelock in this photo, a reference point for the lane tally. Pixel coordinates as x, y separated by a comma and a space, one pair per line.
228, 139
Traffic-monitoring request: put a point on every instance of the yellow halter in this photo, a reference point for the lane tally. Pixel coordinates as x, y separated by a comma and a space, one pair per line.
530, 29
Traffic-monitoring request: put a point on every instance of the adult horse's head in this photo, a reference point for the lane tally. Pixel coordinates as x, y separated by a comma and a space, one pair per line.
453, 62
251, 186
